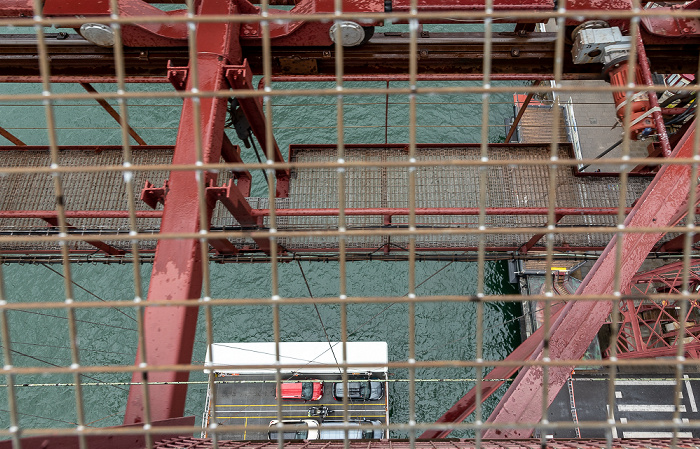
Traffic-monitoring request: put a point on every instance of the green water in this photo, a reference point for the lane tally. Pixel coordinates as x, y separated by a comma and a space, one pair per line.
107, 337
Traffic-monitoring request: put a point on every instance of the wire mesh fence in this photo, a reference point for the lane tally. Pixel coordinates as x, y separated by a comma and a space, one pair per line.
439, 181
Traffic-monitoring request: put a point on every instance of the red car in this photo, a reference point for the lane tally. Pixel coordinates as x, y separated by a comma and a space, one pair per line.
311, 390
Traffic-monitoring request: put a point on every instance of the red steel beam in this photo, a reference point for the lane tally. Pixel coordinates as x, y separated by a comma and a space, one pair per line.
536, 238
470, 211
399, 77
118, 440
102, 246
573, 331
662, 272
493, 381
366, 252
95, 148
223, 246
388, 211
177, 267
653, 100
521, 112
678, 243
54, 79
690, 349
233, 200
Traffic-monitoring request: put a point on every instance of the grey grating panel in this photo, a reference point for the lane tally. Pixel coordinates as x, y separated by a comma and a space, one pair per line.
99, 191
381, 186
447, 186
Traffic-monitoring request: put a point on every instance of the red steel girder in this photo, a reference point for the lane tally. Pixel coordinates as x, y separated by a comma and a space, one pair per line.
240, 77
644, 330
450, 54
669, 274
153, 34
571, 334
235, 202
177, 268
536, 238
11, 137
53, 215
678, 243
102, 246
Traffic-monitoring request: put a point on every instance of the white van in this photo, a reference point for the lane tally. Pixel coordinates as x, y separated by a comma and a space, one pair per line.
353, 433
299, 429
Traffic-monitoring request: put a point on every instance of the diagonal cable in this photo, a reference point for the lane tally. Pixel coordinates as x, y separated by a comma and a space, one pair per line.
330, 345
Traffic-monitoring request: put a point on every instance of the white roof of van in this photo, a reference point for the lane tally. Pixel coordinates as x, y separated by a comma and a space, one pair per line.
305, 357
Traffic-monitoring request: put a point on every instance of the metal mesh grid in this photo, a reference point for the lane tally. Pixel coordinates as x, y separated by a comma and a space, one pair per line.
103, 191
445, 186
506, 444
186, 266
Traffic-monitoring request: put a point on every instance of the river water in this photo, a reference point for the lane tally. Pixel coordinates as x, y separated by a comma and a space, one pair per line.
444, 330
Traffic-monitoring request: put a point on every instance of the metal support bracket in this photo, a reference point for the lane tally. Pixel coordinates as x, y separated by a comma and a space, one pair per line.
177, 76
153, 196
232, 199
240, 77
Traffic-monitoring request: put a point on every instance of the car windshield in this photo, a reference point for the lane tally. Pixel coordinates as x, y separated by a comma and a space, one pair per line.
307, 390
365, 390
290, 435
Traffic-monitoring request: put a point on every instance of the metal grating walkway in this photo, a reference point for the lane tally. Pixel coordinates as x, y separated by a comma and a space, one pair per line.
452, 182
449, 186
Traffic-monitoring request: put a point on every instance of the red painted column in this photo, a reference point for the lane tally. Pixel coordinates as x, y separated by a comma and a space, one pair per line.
177, 268
661, 205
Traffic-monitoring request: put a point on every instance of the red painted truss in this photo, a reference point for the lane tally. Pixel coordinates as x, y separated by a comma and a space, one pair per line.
656, 328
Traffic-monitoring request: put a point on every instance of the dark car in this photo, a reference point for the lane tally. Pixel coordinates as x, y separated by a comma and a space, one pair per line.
363, 390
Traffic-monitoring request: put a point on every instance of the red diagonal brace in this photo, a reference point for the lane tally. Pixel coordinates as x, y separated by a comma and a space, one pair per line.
677, 243
573, 331
102, 246
177, 268
536, 238
223, 246
241, 77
